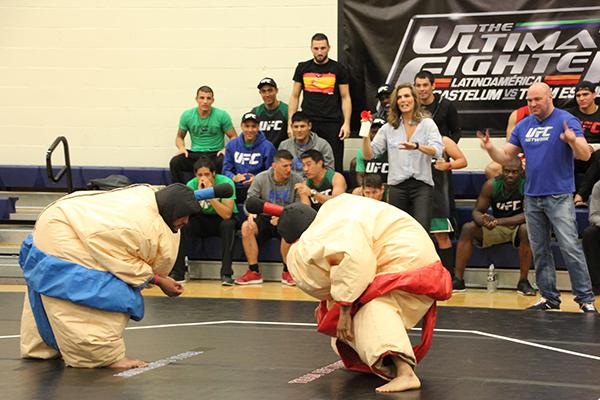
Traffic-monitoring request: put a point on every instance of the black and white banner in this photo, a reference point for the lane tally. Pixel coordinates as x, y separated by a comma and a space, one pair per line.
482, 61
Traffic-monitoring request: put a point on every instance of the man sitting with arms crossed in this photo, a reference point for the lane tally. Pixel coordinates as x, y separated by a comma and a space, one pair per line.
321, 183
506, 224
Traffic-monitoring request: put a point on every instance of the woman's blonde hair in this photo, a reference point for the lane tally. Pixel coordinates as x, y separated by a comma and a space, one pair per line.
395, 115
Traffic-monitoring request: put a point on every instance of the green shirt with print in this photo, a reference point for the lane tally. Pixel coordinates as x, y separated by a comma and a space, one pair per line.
207, 208
207, 134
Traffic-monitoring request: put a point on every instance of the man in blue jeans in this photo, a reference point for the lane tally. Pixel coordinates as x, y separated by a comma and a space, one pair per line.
549, 137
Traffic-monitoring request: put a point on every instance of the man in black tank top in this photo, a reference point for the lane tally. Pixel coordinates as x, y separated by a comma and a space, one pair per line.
506, 224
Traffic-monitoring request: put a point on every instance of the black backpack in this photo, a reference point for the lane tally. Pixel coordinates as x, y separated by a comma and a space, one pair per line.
109, 183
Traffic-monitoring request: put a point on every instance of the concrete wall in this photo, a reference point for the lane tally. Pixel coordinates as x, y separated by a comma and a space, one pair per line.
114, 76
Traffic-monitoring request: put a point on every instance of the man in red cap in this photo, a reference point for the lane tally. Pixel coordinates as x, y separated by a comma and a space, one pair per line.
377, 274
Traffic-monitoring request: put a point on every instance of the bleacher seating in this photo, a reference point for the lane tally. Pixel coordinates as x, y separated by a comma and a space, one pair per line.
7, 206
466, 184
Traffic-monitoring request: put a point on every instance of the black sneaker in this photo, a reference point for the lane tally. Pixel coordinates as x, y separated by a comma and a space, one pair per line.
543, 305
226, 281
458, 285
588, 308
524, 288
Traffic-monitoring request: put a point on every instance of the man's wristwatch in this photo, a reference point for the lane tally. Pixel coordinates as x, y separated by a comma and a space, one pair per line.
313, 192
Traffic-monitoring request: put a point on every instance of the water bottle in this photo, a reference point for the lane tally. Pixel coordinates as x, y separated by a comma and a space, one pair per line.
492, 279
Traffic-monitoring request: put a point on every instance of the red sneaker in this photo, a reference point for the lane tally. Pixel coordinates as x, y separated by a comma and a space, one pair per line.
286, 279
249, 278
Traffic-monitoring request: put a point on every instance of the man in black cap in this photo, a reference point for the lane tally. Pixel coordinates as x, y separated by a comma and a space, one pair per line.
272, 114
588, 113
384, 93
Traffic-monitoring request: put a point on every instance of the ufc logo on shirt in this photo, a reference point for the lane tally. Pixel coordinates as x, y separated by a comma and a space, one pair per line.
326, 192
246, 158
540, 134
267, 126
514, 205
376, 167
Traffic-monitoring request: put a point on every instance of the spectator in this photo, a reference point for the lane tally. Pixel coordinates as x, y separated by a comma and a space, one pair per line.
440, 224
272, 114
247, 155
321, 183
384, 92
218, 217
372, 187
442, 111
493, 168
326, 96
304, 139
411, 141
549, 138
506, 224
207, 125
377, 165
275, 185
588, 113
591, 240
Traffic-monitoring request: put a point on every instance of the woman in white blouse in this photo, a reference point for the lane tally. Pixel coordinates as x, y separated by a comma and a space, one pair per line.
412, 141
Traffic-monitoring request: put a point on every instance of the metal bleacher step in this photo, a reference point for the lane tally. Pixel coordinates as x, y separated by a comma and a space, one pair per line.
34, 199
10, 270
11, 237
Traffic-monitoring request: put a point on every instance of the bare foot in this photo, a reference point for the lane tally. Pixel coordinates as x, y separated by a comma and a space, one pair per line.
405, 379
400, 384
126, 363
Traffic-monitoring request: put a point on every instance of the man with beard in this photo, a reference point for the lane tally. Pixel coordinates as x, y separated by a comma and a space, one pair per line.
326, 96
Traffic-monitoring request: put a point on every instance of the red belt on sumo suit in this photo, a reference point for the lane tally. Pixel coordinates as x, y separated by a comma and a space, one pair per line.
432, 280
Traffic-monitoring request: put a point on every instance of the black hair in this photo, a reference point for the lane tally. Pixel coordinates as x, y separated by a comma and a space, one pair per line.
205, 89
205, 162
282, 154
372, 181
318, 37
425, 75
313, 154
299, 116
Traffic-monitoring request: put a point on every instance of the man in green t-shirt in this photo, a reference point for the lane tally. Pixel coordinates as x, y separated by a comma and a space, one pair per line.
207, 126
219, 217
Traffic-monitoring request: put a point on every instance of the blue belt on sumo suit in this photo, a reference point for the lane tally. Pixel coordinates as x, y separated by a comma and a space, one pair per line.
50, 276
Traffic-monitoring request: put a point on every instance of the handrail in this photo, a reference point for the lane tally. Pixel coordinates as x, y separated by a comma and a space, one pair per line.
66, 169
